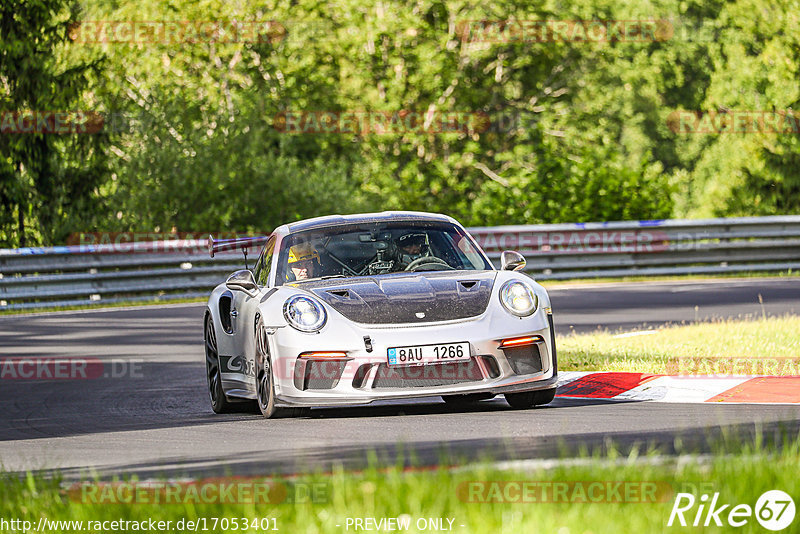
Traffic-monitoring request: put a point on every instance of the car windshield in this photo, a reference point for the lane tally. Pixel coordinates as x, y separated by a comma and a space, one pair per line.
377, 248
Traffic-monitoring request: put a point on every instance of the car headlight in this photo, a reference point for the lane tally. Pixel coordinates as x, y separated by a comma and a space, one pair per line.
518, 298
305, 313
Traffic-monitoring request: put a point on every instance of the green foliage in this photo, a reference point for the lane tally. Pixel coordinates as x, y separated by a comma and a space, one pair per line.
755, 59
47, 181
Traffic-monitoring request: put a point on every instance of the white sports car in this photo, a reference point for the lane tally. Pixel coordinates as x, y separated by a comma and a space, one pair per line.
347, 310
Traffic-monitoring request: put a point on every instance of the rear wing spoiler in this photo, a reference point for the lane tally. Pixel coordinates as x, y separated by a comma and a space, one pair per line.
242, 243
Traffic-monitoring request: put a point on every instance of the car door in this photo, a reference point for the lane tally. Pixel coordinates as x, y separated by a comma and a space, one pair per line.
243, 314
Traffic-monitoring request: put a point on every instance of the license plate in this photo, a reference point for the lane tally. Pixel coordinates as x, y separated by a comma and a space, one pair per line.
425, 354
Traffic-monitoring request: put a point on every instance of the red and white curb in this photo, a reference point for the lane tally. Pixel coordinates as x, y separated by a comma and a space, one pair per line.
666, 388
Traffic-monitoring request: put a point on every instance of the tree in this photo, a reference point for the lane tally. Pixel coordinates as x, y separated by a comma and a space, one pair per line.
46, 179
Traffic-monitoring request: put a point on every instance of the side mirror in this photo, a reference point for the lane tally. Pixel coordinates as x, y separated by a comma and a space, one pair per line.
243, 281
511, 260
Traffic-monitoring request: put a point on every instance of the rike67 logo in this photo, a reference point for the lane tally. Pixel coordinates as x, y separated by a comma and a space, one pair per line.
774, 510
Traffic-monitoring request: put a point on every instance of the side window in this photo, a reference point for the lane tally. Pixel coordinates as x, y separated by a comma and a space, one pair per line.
264, 263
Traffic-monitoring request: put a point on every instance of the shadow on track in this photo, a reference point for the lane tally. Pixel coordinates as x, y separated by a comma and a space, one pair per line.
438, 453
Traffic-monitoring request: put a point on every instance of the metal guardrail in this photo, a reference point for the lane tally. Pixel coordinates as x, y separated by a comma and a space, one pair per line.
644, 248
73, 275
77, 275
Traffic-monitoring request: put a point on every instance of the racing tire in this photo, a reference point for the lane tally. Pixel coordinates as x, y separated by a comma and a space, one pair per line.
265, 381
466, 399
529, 399
219, 401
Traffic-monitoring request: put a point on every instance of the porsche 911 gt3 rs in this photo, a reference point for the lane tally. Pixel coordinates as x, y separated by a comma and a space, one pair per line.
348, 310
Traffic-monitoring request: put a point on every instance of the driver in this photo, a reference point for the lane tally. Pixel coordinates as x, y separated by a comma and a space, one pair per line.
412, 246
303, 260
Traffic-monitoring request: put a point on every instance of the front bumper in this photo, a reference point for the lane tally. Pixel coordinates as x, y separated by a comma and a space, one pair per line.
364, 376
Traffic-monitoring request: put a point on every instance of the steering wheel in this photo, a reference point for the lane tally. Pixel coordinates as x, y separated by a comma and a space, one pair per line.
427, 259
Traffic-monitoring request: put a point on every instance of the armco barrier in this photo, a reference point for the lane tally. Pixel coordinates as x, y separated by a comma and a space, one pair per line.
69, 275
74, 275
632, 248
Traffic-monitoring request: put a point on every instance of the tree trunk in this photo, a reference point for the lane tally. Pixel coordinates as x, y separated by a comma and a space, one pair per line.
21, 224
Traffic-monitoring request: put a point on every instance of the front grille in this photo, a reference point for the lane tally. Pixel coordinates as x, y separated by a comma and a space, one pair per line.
318, 374
524, 360
491, 366
361, 375
420, 376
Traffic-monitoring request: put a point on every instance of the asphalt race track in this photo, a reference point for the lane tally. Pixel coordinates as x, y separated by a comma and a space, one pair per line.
154, 418
628, 306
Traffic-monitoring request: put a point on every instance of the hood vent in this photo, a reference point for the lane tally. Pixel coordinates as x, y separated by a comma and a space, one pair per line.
408, 298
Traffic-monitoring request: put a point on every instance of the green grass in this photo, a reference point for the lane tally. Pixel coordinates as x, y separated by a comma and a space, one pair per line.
101, 305
774, 337
445, 493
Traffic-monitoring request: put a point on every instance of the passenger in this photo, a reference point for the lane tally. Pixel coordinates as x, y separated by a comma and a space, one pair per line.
303, 261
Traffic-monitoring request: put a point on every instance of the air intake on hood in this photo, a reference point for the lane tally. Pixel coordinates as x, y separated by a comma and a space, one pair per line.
404, 299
